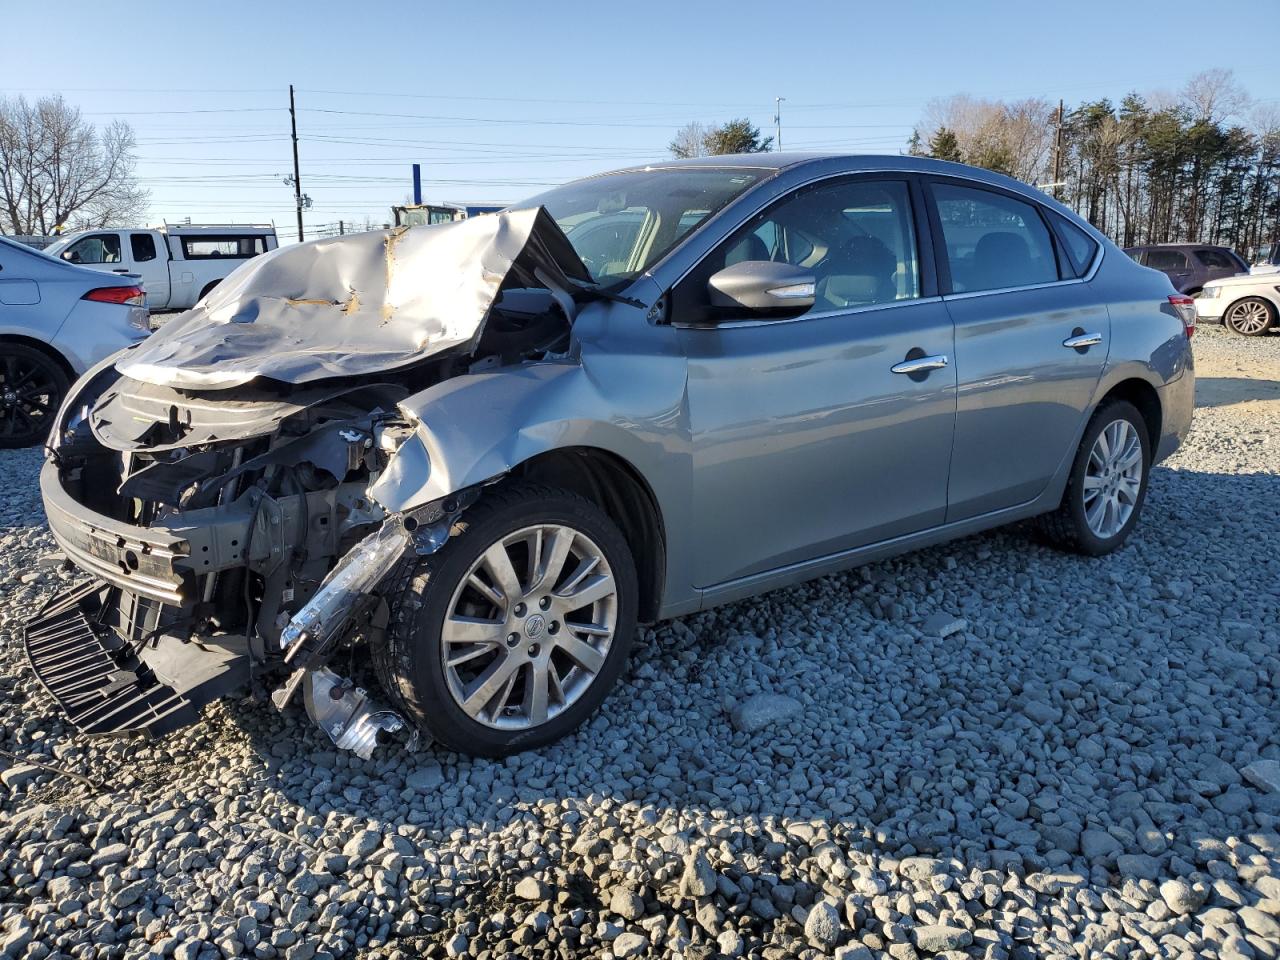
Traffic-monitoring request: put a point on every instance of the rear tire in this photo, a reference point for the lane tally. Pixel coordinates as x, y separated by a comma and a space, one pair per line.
32, 388
1107, 487
1250, 317
491, 657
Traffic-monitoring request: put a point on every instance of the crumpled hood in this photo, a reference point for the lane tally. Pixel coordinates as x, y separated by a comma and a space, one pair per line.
356, 305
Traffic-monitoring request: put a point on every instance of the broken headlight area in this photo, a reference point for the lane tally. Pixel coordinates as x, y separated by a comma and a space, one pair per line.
224, 484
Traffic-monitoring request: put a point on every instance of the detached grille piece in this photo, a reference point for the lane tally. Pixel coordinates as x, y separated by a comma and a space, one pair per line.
102, 686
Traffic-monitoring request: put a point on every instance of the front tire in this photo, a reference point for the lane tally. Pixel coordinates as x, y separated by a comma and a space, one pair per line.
1107, 486
32, 388
512, 634
1250, 317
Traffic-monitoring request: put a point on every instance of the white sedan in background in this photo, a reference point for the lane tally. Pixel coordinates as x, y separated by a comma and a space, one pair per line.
56, 321
1248, 304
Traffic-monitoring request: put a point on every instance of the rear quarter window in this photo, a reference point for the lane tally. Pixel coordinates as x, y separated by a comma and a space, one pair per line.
1081, 248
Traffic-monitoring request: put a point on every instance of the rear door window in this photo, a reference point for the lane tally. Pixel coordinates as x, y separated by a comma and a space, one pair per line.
1166, 260
993, 241
143, 246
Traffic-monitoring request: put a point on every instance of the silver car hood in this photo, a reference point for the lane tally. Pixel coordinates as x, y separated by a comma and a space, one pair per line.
357, 305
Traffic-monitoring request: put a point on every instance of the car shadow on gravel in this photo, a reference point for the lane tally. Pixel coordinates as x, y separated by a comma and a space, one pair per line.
1224, 391
1089, 709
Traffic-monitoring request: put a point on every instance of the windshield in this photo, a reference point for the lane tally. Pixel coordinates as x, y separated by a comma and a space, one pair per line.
623, 223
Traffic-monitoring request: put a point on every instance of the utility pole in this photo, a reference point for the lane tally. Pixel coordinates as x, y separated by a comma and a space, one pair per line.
1057, 154
777, 121
297, 176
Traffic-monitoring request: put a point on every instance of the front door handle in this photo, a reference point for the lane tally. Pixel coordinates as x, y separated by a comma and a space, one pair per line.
920, 364
1082, 340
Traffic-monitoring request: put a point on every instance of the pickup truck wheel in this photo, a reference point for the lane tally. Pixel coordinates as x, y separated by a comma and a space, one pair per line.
1107, 486
32, 387
513, 633
1250, 317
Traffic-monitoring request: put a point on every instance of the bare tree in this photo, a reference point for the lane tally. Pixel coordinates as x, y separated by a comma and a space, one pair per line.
1214, 95
1012, 138
57, 170
690, 141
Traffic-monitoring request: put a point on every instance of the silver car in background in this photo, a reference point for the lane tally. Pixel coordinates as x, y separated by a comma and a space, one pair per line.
56, 321
475, 455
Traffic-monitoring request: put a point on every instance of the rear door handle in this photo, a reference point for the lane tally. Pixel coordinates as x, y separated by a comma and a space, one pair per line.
1082, 340
920, 364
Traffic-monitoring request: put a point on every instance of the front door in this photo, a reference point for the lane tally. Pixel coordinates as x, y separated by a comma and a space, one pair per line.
1031, 342
805, 441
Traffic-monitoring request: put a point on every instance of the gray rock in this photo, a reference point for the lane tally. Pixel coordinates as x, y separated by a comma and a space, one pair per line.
362, 844
943, 625
19, 775
1181, 897
531, 888
626, 904
698, 880
1099, 845
425, 779
939, 938
109, 854
822, 926
630, 945
763, 709
1264, 774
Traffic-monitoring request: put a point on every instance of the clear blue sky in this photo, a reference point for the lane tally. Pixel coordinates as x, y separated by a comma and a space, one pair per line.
498, 99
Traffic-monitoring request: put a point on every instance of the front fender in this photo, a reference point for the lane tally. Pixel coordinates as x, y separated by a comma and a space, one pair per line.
471, 429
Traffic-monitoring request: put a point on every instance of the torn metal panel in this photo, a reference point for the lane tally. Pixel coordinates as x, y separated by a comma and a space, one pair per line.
356, 305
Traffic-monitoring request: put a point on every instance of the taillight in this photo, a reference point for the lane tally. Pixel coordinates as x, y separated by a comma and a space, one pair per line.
1185, 308
130, 295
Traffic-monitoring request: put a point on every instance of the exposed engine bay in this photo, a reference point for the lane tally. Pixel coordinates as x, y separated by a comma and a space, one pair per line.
220, 483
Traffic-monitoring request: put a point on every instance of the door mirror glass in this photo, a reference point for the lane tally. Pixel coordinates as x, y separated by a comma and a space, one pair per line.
765, 288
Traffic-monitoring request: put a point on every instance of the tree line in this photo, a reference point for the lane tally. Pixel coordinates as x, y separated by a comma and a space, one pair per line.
1199, 166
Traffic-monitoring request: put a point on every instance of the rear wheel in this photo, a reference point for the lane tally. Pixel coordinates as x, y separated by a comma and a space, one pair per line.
1250, 317
32, 387
1107, 486
512, 634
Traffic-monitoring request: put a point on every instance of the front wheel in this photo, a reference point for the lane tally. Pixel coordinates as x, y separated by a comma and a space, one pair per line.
1250, 317
512, 634
1107, 486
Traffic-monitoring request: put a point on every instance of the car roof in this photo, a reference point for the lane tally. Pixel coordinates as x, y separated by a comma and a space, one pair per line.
852, 162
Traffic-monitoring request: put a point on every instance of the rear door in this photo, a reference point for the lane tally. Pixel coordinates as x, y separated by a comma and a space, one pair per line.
1174, 265
1031, 342
149, 258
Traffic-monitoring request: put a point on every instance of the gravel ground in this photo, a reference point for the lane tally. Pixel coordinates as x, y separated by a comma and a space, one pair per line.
987, 749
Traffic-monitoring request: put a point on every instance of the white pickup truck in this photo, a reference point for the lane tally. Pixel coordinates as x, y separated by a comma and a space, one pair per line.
178, 264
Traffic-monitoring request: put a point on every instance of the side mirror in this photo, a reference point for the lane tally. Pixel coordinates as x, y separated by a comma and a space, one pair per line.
764, 288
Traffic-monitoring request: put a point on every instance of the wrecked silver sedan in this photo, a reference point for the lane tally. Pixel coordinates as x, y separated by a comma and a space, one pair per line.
476, 454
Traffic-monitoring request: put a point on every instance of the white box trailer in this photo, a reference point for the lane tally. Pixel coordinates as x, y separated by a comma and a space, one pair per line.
178, 263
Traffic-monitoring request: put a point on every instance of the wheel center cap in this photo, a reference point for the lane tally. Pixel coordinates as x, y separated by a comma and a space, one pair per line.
10, 397
534, 626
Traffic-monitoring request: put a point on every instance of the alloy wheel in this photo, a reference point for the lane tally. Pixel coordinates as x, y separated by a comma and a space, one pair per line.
1113, 479
1250, 317
29, 398
529, 627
